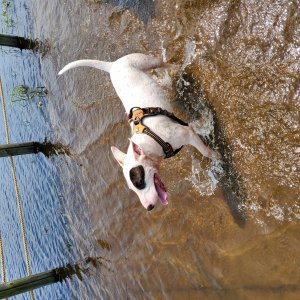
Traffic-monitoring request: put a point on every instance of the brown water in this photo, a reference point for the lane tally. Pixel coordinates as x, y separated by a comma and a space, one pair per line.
238, 76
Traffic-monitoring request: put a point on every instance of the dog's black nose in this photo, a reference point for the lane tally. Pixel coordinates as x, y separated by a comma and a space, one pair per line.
150, 207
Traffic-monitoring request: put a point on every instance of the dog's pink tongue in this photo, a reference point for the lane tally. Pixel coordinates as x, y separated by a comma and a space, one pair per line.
161, 190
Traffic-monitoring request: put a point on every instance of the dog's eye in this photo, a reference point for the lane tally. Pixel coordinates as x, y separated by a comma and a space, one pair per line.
137, 177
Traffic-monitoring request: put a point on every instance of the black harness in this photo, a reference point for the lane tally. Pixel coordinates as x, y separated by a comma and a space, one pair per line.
137, 114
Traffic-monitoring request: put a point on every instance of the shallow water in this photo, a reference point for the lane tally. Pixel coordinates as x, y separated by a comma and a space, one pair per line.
231, 230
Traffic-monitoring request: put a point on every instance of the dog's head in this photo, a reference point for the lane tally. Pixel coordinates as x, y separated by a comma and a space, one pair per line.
141, 174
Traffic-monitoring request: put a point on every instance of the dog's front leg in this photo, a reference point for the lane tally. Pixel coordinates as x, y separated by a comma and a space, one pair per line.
196, 141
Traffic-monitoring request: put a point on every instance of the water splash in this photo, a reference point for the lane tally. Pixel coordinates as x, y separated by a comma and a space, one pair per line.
204, 179
190, 53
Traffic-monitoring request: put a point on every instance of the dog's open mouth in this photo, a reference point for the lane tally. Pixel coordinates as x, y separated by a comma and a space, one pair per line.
161, 190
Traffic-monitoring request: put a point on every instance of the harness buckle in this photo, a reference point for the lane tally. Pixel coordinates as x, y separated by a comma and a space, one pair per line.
138, 113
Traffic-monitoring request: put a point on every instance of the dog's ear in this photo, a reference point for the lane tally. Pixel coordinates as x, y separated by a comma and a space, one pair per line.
118, 155
136, 148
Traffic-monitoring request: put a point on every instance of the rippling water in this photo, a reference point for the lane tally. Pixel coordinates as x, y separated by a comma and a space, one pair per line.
38, 177
231, 228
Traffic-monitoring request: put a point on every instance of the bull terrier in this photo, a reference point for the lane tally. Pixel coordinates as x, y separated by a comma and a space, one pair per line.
156, 132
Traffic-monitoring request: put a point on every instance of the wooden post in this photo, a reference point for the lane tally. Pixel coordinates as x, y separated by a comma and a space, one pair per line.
32, 282
46, 148
17, 42
20, 149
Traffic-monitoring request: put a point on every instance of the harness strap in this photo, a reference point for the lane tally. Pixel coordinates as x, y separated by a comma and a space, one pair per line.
136, 116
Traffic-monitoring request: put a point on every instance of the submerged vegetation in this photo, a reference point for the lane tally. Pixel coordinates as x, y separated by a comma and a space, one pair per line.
7, 20
23, 94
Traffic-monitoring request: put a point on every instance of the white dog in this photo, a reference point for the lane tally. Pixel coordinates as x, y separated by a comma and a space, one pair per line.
157, 133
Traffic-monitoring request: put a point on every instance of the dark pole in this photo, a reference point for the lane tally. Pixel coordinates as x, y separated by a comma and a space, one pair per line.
20, 149
17, 42
46, 148
32, 282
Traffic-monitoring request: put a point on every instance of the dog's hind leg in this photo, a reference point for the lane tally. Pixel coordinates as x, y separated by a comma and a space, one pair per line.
143, 62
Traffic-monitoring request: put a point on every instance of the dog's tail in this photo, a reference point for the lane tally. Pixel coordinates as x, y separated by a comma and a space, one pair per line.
98, 64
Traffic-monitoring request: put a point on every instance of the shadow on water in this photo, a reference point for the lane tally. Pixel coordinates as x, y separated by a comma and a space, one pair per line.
144, 9
192, 101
